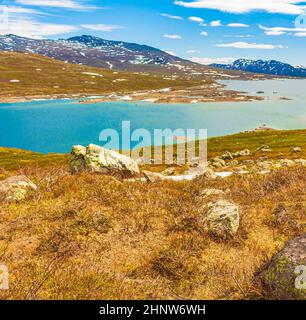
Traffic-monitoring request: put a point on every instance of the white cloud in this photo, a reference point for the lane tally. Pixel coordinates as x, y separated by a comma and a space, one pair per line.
240, 36
246, 45
66, 4
204, 33
278, 31
192, 51
27, 27
101, 27
225, 60
11, 10
274, 33
196, 19
216, 23
172, 36
238, 25
171, 16
300, 34
240, 6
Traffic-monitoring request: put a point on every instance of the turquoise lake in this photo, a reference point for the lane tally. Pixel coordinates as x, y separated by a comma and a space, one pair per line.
56, 125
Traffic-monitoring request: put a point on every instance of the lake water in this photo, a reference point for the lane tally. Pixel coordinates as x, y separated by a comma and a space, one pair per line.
56, 125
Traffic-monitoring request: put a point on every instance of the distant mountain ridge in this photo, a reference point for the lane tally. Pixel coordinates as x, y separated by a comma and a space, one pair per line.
118, 55
271, 67
92, 51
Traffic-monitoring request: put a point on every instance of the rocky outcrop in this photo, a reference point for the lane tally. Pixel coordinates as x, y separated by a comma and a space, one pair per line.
97, 159
15, 189
285, 276
221, 218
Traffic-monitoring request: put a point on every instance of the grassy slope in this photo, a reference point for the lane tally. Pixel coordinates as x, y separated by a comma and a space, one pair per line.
281, 143
92, 237
57, 77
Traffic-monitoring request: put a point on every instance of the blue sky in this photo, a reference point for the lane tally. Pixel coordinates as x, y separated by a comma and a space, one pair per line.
202, 30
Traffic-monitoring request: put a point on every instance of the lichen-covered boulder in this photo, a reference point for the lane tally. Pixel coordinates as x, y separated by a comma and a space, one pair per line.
285, 276
16, 188
94, 158
221, 218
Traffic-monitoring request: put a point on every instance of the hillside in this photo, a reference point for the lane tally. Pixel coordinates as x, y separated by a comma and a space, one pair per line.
115, 55
270, 67
25, 77
33, 75
91, 236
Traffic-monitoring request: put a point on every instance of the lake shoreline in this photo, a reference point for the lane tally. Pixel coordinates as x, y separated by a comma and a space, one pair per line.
215, 92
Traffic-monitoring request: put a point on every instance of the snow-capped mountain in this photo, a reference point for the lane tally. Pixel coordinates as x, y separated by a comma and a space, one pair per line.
92, 51
271, 67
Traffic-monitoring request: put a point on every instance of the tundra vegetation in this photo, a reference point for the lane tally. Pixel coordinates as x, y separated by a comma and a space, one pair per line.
30, 75
97, 236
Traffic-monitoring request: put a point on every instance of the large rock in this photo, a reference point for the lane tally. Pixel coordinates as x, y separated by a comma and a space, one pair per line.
16, 188
285, 275
221, 218
97, 159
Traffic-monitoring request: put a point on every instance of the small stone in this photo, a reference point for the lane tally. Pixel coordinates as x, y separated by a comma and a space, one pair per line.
286, 163
169, 172
218, 162
283, 217
264, 148
16, 188
296, 149
221, 218
301, 162
233, 163
153, 176
227, 156
205, 193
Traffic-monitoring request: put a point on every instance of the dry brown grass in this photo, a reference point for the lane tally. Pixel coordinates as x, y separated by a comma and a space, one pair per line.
41, 76
92, 237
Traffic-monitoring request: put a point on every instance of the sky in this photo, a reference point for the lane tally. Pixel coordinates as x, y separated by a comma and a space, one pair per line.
205, 31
